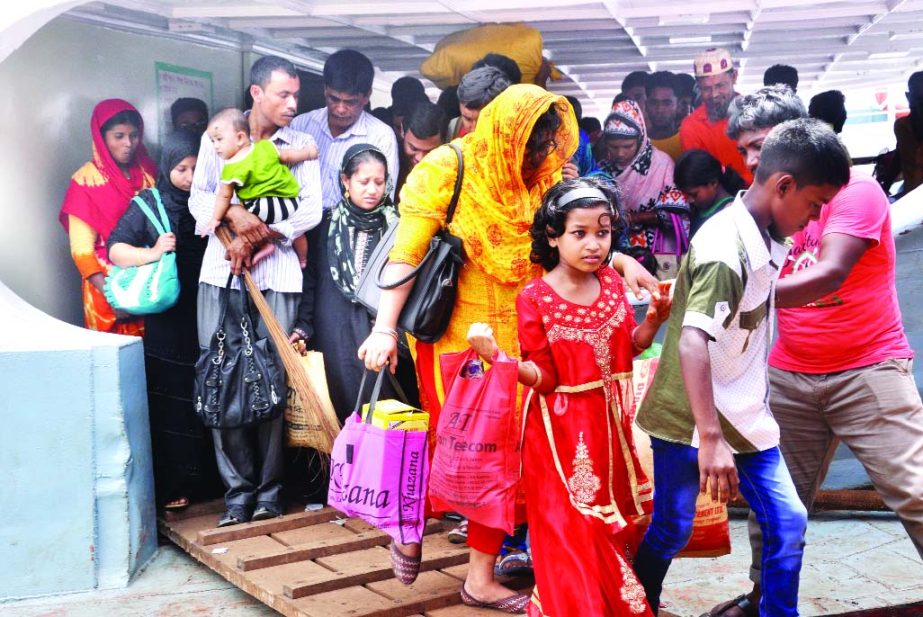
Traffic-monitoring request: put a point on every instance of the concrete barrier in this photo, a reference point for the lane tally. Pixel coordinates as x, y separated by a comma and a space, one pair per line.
77, 495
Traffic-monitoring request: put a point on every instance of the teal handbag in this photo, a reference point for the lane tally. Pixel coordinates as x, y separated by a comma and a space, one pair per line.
151, 288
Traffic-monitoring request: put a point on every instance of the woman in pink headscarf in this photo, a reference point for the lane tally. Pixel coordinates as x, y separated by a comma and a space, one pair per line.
98, 195
644, 175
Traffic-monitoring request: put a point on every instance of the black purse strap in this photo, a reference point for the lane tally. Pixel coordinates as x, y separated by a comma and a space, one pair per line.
450, 213
376, 391
245, 310
223, 304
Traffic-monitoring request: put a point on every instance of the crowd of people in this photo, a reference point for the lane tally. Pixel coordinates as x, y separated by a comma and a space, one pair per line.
559, 216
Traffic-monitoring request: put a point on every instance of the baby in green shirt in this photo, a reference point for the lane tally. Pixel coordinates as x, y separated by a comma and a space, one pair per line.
259, 173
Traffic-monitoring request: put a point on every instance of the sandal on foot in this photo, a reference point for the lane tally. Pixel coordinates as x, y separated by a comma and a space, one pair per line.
514, 605
514, 564
459, 535
748, 608
180, 503
405, 568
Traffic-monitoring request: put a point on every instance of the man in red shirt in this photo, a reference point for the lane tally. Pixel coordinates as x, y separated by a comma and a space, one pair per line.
841, 367
706, 127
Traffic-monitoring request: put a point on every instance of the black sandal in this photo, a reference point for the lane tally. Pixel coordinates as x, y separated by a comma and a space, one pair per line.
748, 608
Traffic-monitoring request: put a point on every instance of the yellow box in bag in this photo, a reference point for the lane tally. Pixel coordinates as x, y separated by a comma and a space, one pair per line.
393, 414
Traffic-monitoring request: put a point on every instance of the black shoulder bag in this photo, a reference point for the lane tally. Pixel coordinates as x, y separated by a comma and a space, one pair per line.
428, 309
238, 382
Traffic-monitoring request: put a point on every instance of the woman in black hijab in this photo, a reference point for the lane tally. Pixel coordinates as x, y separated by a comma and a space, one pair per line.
183, 457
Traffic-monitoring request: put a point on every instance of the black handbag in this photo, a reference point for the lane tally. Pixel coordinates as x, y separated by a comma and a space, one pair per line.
238, 382
429, 305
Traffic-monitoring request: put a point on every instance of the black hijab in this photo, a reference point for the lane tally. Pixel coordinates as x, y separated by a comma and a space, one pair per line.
176, 147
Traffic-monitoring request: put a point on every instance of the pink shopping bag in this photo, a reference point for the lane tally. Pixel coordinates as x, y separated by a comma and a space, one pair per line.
476, 461
380, 475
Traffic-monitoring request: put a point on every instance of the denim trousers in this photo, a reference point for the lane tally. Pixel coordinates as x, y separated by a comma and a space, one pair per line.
766, 485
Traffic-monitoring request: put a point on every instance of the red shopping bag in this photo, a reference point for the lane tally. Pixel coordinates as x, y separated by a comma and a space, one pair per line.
476, 461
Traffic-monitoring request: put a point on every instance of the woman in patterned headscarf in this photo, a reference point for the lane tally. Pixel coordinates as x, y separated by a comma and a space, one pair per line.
644, 175
329, 318
515, 154
98, 195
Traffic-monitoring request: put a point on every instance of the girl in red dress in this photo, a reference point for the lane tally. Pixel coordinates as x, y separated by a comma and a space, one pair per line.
585, 489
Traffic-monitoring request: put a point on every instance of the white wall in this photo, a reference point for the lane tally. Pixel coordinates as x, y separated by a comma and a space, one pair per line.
50, 86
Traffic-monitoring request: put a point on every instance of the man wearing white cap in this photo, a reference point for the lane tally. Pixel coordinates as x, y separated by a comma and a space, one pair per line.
706, 127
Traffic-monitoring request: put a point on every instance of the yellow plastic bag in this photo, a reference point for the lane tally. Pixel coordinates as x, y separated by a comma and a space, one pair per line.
392, 414
455, 53
299, 431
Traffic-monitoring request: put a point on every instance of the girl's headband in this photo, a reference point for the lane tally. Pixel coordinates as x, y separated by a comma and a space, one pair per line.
586, 192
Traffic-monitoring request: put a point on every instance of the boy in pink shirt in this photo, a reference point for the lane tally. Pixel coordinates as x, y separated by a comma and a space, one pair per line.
858, 324
841, 367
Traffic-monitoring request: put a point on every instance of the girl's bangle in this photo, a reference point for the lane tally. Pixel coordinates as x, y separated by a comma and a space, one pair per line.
536, 372
389, 331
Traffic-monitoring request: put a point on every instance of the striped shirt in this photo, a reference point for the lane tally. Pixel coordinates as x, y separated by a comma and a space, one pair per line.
280, 271
367, 129
724, 288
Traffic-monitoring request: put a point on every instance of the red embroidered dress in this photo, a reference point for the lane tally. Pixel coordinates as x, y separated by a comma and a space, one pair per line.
584, 486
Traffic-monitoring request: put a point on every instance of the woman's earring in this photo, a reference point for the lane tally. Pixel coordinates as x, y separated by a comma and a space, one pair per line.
346, 194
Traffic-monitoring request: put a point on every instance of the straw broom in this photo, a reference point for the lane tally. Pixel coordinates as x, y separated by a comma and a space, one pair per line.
322, 416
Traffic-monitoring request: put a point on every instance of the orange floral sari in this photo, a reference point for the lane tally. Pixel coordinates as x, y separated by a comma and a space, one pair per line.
495, 210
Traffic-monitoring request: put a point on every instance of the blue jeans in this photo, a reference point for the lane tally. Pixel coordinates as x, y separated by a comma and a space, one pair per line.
767, 487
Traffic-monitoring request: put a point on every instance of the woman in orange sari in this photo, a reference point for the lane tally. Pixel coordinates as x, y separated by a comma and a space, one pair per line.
516, 152
98, 195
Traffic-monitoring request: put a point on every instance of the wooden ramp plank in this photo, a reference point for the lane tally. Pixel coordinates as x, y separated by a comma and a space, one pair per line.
350, 602
259, 528
371, 565
317, 541
301, 565
430, 591
312, 550
330, 531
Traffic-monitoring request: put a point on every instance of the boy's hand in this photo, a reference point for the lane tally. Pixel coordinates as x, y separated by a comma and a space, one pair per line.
637, 277
311, 153
165, 243
481, 338
717, 468
659, 309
